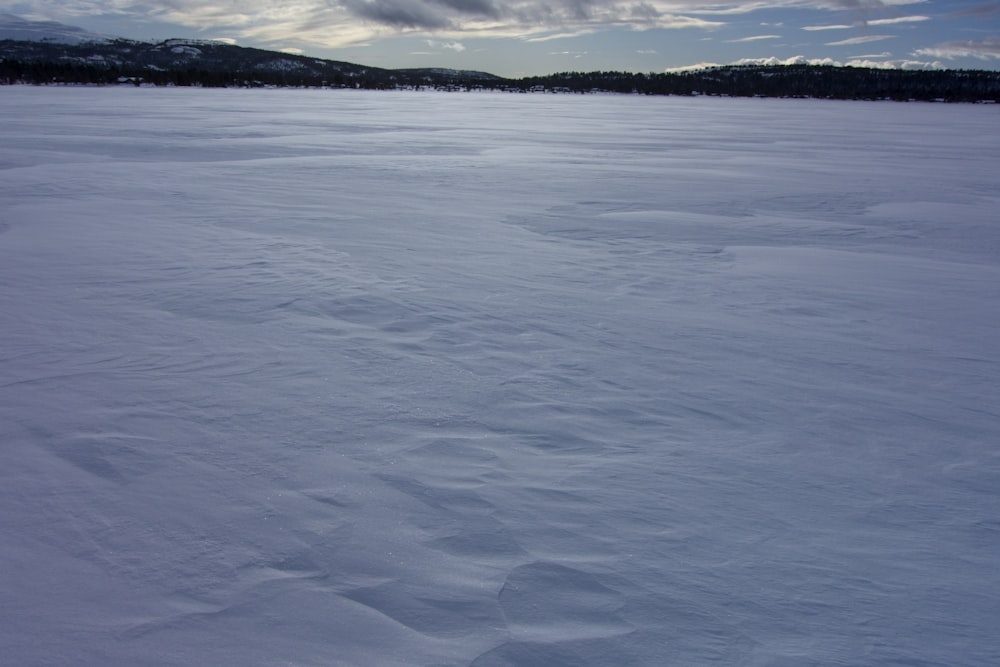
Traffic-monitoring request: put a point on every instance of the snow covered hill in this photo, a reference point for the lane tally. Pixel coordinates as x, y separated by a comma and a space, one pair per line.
21, 29
47, 52
348, 378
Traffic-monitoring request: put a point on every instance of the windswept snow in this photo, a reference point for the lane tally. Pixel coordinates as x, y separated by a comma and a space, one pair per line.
348, 378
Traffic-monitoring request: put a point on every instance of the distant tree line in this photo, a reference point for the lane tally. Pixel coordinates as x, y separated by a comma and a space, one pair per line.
215, 65
54, 73
815, 81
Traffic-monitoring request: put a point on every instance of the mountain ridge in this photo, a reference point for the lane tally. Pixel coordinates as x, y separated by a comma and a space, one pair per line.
17, 28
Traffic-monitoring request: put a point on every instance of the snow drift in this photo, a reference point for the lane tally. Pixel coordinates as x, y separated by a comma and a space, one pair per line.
338, 378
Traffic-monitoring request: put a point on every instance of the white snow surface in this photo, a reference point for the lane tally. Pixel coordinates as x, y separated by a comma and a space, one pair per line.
399, 378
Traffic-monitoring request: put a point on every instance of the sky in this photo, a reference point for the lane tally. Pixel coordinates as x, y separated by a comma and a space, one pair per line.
532, 37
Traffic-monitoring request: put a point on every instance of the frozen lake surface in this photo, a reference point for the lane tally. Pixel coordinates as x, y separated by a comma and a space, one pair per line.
356, 378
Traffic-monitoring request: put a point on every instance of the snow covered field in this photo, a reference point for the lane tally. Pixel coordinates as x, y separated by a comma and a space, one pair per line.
355, 378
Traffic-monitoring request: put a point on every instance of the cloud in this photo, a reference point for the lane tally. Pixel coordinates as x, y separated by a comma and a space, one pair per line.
399, 13
691, 68
450, 46
755, 38
794, 60
864, 39
341, 23
871, 22
471, 7
802, 60
893, 64
986, 49
770, 61
558, 35
538, 20
725, 8
898, 19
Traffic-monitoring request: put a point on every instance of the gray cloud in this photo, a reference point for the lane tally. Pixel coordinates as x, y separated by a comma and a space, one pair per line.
339, 22
398, 13
471, 7
335, 23
578, 9
645, 11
